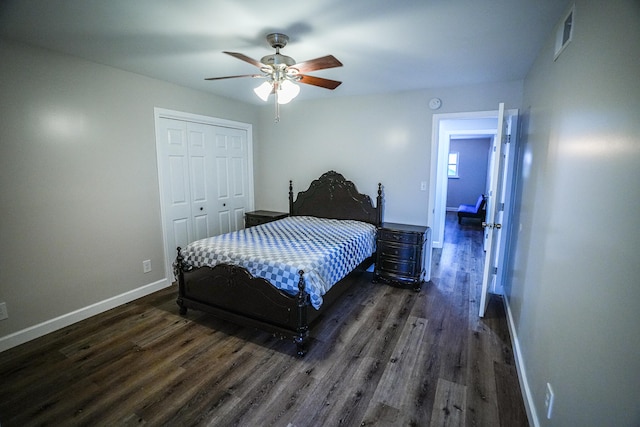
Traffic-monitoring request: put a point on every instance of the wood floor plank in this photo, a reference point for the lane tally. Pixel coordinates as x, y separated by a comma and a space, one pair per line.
207, 374
335, 373
450, 405
481, 390
455, 323
203, 398
53, 407
381, 415
362, 386
510, 407
283, 401
401, 365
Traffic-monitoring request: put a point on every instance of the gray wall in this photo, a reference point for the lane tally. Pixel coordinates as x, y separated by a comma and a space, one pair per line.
370, 139
472, 171
79, 183
574, 290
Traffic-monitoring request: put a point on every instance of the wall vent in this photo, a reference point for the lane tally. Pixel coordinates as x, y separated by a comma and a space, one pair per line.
564, 33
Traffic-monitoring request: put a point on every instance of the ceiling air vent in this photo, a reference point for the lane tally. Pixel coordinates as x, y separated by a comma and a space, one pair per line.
564, 32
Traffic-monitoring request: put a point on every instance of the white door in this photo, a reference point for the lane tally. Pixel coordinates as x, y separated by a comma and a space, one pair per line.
231, 165
187, 171
202, 172
507, 192
495, 211
173, 163
205, 180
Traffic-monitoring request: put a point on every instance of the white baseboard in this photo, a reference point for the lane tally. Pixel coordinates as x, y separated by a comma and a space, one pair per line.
65, 320
529, 404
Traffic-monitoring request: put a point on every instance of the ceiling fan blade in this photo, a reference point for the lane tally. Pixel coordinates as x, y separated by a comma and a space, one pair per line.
245, 58
235, 77
319, 81
322, 63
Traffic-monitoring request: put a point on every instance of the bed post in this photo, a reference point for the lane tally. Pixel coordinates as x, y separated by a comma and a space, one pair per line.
379, 205
303, 327
179, 273
290, 197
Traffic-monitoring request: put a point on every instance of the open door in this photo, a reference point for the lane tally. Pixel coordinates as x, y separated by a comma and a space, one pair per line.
495, 210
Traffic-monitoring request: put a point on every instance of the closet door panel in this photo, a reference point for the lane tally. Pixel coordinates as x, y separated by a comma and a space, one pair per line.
203, 177
174, 179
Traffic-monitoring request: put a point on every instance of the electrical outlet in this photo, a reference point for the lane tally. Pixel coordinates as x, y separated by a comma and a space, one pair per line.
548, 400
4, 314
146, 266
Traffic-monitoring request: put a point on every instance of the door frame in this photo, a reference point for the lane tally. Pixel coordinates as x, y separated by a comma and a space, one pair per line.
439, 150
438, 181
163, 113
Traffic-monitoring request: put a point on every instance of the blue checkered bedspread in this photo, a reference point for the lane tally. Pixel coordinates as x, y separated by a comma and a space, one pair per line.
325, 249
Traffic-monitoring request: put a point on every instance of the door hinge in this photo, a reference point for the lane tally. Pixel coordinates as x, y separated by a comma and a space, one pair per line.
508, 139
501, 207
495, 270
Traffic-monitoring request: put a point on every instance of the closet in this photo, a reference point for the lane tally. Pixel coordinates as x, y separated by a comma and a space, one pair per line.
205, 177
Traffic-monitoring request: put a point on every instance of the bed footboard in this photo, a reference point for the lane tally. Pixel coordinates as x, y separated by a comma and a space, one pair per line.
232, 293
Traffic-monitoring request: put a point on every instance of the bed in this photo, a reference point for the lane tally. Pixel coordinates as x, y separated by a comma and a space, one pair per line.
216, 277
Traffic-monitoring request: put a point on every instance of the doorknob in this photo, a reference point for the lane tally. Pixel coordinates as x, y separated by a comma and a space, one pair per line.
485, 225
201, 208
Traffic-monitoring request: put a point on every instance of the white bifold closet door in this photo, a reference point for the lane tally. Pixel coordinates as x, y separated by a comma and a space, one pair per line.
203, 172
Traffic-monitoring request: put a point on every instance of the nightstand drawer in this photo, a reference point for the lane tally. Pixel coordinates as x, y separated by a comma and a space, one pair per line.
392, 236
405, 252
399, 267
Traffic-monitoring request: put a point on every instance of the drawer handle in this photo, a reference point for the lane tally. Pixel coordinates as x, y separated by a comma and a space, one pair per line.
393, 252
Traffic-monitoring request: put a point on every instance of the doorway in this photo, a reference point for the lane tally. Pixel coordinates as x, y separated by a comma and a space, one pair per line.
482, 124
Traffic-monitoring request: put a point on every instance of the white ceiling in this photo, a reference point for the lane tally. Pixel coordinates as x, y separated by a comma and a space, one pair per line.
385, 46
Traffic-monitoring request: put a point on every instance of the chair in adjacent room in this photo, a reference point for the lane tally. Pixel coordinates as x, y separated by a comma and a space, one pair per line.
477, 211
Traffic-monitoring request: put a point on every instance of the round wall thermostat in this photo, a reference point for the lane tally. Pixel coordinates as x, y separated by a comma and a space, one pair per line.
435, 103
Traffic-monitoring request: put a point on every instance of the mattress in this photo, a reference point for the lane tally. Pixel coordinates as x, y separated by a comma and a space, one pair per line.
326, 250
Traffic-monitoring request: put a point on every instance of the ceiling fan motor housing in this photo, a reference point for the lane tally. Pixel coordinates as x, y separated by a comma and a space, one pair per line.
278, 59
277, 40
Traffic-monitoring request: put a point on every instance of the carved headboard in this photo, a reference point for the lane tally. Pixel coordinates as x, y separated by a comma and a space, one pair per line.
332, 196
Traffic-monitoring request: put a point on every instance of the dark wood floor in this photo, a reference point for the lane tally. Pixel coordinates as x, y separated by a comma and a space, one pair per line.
382, 356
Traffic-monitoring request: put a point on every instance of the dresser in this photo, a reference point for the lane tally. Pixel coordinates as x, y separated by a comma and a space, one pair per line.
401, 257
261, 217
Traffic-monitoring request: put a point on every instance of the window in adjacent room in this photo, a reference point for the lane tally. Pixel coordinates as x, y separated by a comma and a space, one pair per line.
452, 168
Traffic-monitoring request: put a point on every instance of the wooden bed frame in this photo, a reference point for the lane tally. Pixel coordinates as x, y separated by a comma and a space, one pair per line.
232, 293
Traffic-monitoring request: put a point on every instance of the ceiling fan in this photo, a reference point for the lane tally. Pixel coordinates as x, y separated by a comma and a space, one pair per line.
282, 72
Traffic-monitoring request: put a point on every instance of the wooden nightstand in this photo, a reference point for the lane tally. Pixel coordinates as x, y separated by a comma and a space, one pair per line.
262, 217
401, 253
